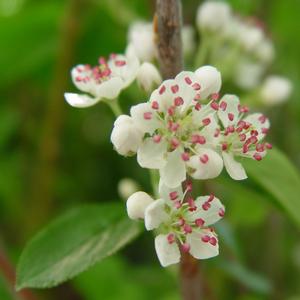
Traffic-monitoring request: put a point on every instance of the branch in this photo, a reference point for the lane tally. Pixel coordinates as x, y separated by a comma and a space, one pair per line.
167, 27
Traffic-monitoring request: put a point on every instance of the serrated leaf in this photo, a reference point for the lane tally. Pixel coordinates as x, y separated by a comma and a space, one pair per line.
73, 243
277, 175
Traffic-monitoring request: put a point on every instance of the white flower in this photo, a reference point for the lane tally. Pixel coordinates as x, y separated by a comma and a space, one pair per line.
213, 15
209, 79
148, 76
275, 90
125, 136
126, 187
136, 205
250, 36
175, 127
248, 75
265, 51
183, 225
141, 36
240, 136
104, 81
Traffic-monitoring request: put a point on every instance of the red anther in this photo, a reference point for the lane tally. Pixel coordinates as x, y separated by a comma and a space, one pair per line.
221, 212
269, 146
102, 61
174, 142
196, 86
78, 69
120, 63
148, 115
247, 125
174, 88
241, 123
199, 222
206, 205
206, 121
78, 78
194, 138
189, 186
187, 228
213, 241
113, 55
257, 157
181, 222
205, 238
178, 101
230, 128
204, 158
155, 105
245, 148
264, 130
224, 146
215, 96
188, 80
185, 156
185, 247
171, 111
162, 90
191, 204
223, 105
214, 105
230, 116
262, 119
253, 139
243, 109
260, 147
239, 129
254, 132
173, 195
174, 127
177, 204
171, 238
201, 140
242, 137
217, 132
156, 138
198, 106
211, 198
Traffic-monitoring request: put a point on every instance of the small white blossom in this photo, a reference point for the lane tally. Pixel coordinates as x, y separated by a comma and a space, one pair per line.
275, 90
137, 204
213, 15
148, 76
125, 136
126, 187
250, 36
104, 81
183, 224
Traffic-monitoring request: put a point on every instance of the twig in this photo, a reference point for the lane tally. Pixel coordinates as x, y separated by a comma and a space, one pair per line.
167, 26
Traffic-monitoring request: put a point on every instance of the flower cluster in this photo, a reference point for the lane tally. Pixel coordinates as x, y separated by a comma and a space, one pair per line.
185, 129
242, 50
181, 225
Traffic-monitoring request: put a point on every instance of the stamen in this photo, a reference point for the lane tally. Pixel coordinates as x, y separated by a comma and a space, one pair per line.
198, 106
185, 247
205, 238
223, 105
211, 198
269, 146
120, 63
221, 212
206, 205
174, 142
171, 238
173, 195
224, 146
204, 158
215, 96
213, 241
162, 90
188, 80
196, 86
206, 121
187, 228
148, 115
214, 105
174, 88
157, 138
185, 156
155, 105
257, 157
178, 101
230, 116
199, 222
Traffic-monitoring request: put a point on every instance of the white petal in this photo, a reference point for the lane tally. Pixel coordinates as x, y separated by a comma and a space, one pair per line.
148, 76
109, 89
234, 169
137, 204
232, 107
155, 214
167, 254
209, 79
80, 100
211, 169
81, 72
200, 249
258, 122
152, 155
174, 172
209, 211
164, 192
138, 115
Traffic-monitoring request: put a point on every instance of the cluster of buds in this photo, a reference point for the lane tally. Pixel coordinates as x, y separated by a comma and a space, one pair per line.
232, 38
181, 225
185, 129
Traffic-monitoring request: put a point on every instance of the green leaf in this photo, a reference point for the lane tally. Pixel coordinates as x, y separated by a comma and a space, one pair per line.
277, 175
73, 243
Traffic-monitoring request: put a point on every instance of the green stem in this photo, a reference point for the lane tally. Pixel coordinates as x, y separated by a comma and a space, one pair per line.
115, 107
202, 52
154, 178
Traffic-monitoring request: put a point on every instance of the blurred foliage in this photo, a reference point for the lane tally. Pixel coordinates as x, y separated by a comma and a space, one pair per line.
256, 237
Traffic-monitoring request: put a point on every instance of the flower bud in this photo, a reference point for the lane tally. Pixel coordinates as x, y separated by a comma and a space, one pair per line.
209, 79
126, 187
250, 36
137, 204
140, 35
148, 76
213, 15
276, 89
126, 137
265, 51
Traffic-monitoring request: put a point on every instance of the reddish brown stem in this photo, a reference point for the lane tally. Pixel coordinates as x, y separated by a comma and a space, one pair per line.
167, 26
